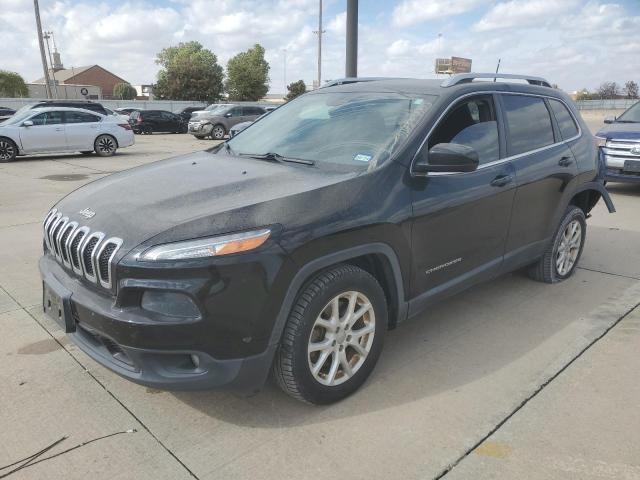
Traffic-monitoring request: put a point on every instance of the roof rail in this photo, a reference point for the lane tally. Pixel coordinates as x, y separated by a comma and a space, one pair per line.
469, 77
344, 81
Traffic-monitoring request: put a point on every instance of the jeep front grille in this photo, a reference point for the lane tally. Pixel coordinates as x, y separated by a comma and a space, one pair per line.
88, 254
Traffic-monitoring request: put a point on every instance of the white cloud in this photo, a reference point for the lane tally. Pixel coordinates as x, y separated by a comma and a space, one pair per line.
411, 12
575, 43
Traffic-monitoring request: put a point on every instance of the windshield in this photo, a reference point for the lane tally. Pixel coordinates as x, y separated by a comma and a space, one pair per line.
215, 107
632, 114
359, 129
19, 116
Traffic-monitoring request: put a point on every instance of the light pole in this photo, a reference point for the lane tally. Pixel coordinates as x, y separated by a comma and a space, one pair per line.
319, 32
43, 58
47, 36
351, 67
284, 52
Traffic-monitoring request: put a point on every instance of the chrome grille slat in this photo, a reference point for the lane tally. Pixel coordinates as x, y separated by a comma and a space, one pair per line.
616, 151
76, 247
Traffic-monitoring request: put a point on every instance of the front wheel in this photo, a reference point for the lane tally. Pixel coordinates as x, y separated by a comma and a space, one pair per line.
218, 132
563, 253
105, 145
333, 337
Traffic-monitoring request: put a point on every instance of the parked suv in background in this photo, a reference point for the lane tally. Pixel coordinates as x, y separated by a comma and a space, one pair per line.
619, 144
295, 245
149, 121
216, 120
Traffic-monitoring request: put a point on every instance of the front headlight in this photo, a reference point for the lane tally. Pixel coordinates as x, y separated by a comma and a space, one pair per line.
207, 247
600, 141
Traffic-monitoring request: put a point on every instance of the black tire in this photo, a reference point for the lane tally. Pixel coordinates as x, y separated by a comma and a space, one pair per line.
105, 145
87, 152
546, 269
218, 132
147, 130
292, 368
8, 150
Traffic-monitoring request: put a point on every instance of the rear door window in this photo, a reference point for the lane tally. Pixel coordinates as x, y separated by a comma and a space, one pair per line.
564, 119
528, 123
472, 123
80, 117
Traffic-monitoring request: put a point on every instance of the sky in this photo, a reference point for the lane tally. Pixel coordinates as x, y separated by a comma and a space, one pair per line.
573, 43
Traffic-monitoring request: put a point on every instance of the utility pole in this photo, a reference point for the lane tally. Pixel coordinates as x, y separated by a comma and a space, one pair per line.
351, 67
319, 32
284, 52
47, 83
47, 36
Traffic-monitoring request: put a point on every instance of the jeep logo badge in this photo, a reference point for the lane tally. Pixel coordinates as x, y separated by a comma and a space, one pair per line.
87, 213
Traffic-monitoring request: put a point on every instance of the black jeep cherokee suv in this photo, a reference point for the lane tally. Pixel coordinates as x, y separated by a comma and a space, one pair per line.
295, 245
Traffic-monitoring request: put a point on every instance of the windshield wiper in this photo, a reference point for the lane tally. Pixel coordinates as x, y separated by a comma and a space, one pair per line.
626, 121
272, 156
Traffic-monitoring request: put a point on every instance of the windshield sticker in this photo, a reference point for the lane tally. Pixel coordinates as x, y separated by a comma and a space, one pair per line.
362, 157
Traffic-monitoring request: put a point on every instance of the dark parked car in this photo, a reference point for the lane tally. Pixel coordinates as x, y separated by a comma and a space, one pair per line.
6, 112
126, 110
294, 246
86, 104
186, 112
619, 145
149, 121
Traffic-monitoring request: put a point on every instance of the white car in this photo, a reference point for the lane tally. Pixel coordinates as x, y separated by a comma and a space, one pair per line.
61, 129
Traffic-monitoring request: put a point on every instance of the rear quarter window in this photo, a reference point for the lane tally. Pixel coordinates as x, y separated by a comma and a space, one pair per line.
564, 119
528, 123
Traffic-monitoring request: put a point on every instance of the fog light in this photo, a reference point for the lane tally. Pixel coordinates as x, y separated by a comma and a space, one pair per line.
171, 304
196, 360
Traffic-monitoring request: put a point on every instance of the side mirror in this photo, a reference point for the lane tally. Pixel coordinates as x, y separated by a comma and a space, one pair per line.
609, 119
447, 157
27, 123
228, 115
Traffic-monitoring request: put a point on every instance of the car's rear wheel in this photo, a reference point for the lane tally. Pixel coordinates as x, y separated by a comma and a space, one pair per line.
147, 130
105, 145
333, 337
563, 253
8, 150
218, 132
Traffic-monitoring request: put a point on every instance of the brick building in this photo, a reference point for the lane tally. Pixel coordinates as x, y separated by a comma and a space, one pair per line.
90, 75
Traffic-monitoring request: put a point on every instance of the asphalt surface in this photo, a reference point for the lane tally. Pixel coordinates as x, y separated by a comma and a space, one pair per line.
511, 379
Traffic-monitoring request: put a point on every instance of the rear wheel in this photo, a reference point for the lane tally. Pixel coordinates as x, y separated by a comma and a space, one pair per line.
8, 150
147, 130
218, 132
105, 145
563, 253
333, 337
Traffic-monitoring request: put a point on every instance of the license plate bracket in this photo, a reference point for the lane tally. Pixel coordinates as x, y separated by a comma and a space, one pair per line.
632, 166
56, 303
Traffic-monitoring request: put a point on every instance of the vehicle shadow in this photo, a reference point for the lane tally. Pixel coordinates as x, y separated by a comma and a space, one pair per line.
477, 334
626, 189
66, 156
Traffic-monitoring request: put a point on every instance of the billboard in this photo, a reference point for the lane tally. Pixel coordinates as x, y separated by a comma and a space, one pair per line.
453, 65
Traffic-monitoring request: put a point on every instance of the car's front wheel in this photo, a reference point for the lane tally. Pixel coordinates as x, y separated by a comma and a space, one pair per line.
333, 337
563, 253
8, 150
105, 145
218, 132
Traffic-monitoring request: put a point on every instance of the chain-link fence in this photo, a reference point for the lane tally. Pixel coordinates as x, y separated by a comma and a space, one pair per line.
606, 104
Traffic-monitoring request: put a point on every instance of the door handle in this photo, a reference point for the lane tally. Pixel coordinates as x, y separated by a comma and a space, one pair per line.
565, 161
501, 180
58, 129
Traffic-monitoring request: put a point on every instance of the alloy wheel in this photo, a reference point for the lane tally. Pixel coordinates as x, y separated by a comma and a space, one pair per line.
7, 150
106, 145
218, 132
569, 247
341, 338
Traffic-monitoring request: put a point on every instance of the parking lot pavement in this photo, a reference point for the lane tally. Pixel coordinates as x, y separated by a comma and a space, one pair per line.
511, 350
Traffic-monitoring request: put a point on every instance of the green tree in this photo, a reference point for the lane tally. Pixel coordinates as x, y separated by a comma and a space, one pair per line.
12, 85
248, 75
609, 90
189, 72
631, 89
296, 89
124, 91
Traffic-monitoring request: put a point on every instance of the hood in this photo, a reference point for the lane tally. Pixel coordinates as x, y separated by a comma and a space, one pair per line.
190, 196
620, 130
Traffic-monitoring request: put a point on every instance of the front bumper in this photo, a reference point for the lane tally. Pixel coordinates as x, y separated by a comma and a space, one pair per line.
168, 356
199, 129
614, 175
